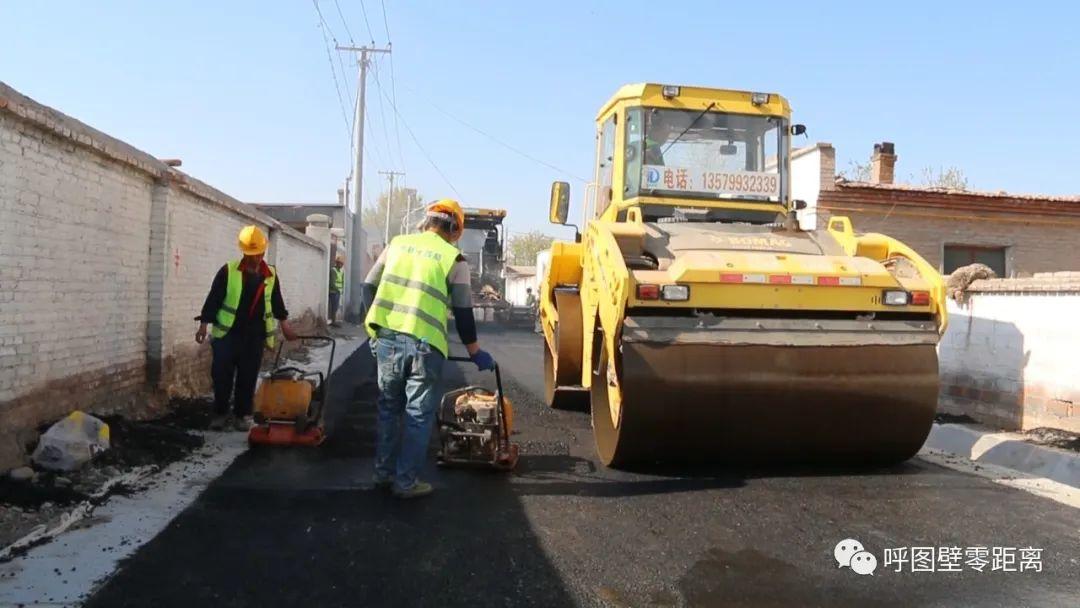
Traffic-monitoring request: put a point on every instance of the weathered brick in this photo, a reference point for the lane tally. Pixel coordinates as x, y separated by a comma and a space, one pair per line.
1060, 409
79, 293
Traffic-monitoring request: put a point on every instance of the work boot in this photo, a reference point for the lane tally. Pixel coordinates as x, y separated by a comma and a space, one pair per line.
420, 488
241, 423
219, 422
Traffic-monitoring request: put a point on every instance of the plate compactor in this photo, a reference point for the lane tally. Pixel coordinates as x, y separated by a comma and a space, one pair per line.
289, 403
474, 427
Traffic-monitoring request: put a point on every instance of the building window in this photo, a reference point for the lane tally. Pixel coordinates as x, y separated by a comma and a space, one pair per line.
957, 256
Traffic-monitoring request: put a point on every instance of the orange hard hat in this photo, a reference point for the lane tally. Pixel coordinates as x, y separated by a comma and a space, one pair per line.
252, 241
450, 207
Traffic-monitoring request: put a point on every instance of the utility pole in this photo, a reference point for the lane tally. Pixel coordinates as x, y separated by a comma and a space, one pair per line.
356, 235
389, 201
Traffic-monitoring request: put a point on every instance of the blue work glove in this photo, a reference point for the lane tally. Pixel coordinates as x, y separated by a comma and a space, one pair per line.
483, 360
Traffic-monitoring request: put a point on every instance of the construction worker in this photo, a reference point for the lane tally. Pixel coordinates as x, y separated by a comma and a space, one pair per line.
656, 137
408, 294
244, 307
532, 303
337, 286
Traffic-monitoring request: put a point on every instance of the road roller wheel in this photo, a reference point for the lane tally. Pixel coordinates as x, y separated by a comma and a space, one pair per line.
609, 416
556, 398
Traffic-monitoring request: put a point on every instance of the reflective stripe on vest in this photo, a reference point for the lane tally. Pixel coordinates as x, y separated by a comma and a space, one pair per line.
234, 286
339, 280
412, 297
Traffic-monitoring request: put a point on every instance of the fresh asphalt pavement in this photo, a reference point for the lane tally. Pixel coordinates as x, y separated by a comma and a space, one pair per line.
305, 526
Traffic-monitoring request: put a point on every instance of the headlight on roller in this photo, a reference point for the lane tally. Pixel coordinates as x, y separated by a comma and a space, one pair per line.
676, 293
895, 298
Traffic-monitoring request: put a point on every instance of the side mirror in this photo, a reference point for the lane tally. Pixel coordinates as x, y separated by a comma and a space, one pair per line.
798, 204
798, 129
560, 203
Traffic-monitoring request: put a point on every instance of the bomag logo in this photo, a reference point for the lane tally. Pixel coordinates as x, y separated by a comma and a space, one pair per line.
764, 243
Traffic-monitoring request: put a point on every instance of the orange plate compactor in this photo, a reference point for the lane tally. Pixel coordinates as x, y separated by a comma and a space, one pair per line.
289, 403
474, 427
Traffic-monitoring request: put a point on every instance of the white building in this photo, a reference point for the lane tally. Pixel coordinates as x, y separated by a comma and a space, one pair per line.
518, 279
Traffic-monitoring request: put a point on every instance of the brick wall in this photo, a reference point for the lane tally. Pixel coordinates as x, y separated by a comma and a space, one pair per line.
73, 264
1009, 356
303, 290
106, 255
1031, 246
1039, 234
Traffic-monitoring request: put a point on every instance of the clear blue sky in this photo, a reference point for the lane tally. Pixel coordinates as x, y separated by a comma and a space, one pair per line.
242, 90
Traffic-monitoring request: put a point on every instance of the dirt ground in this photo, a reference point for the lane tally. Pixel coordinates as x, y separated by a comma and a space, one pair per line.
1054, 438
42, 500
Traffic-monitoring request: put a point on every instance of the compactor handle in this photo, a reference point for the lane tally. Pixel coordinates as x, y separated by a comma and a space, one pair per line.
498, 376
323, 380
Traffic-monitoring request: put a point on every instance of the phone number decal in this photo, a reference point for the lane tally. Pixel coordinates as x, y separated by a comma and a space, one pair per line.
740, 182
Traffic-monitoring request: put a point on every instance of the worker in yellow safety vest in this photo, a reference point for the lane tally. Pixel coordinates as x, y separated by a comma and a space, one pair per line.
337, 287
242, 311
408, 294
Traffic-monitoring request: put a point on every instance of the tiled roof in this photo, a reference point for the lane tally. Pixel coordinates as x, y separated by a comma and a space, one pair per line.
1002, 195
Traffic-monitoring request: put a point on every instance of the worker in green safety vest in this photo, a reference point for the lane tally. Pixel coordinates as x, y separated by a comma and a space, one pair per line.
408, 294
242, 311
656, 139
337, 287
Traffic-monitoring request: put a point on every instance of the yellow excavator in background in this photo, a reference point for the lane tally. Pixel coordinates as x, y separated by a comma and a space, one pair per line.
702, 322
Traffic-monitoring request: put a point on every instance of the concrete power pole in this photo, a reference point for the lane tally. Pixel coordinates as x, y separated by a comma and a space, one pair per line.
389, 201
355, 302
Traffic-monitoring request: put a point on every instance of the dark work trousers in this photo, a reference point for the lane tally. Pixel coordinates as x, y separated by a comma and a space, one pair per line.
237, 358
335, 299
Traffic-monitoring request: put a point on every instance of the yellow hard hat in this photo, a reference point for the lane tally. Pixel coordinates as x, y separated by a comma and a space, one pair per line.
450, 207
252, 241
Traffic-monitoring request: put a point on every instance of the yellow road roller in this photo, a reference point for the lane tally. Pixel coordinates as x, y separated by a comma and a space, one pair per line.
701, 321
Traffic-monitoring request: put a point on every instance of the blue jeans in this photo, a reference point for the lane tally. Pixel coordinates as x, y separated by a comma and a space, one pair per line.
409, 373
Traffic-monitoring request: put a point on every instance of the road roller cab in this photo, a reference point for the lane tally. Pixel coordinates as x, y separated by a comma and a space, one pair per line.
701, 321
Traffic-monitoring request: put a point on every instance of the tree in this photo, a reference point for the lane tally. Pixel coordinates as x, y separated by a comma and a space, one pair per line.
856, 172
374, 216
951, 178
524, 246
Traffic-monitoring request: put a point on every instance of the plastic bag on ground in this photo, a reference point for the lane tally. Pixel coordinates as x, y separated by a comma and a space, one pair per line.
71, 442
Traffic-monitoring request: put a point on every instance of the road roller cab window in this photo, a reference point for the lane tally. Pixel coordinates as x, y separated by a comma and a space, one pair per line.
605, 167
706, 155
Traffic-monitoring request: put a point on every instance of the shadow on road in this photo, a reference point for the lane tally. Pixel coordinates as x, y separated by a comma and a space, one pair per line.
304, 527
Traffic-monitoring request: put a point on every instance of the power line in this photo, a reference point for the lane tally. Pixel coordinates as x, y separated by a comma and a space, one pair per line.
328, 30
393, 83
382, 114
381, 158
418, 144
393, 93
502, 143
333, 70
367, 24
386, 23
344, 23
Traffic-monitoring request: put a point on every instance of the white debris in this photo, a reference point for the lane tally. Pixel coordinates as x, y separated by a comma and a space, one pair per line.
71, 442
21, 474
